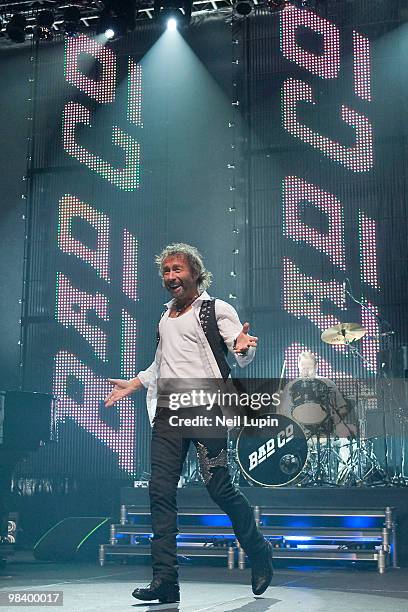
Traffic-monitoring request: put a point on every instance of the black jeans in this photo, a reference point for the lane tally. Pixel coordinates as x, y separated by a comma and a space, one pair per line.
168, 452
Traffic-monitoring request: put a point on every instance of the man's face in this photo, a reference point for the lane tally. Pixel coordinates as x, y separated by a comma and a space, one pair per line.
178, 278
307, 367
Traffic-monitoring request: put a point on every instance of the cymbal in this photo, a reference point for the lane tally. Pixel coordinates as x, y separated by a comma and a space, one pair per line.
344, 333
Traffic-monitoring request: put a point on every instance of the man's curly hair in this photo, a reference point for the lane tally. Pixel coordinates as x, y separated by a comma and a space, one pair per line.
194, 259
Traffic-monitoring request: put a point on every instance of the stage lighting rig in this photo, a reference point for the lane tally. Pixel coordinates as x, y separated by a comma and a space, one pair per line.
72, 20
117, 16
243, 7
16, 28
43, 27
173, 13
19, 17
276, 5
279, 5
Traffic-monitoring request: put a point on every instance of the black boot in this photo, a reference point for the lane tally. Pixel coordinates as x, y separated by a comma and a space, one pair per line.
262, 570
164, 590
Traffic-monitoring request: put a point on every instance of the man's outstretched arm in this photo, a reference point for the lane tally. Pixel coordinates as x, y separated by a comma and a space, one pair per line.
235, 334
244, 341
122, 388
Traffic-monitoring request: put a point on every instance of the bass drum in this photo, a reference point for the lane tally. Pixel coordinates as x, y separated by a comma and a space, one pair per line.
272, 456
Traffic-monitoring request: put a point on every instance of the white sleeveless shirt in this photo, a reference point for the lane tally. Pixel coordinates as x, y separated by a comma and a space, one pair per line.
181, 362
180, 352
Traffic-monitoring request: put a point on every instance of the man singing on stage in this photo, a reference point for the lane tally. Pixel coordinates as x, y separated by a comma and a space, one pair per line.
193, 334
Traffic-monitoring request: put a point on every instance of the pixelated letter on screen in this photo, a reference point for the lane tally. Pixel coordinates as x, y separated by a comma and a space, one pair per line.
71, 208
86, 411
297, 192
303, 296
73, 308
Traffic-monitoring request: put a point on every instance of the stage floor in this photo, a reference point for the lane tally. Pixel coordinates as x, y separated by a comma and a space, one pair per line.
90, 588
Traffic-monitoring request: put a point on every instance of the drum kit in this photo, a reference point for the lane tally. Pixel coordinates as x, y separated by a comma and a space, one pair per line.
314, 445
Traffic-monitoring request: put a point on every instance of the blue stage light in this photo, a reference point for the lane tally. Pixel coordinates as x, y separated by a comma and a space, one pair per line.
361, 522
215, 520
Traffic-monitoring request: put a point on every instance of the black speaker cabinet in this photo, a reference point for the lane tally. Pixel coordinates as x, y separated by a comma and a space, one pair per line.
394, 362
73, 538
26, 419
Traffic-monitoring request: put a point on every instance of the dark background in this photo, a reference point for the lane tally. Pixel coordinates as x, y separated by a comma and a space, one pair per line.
14, 132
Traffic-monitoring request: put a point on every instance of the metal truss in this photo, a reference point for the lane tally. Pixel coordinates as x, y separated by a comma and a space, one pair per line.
90, 12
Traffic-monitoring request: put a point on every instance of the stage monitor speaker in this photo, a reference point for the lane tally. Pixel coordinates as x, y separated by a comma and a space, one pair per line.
73, 538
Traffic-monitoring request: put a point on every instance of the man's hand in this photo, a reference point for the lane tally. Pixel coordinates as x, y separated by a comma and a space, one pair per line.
244, 341
121, 389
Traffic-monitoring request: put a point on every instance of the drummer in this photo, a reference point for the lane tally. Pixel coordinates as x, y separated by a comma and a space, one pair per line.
315, 413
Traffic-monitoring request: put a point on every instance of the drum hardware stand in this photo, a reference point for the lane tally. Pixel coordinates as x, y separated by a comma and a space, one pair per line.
317, 476
344, 334
383, 336
327, 428
340, 418
320, 476
353, 466
362, 450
